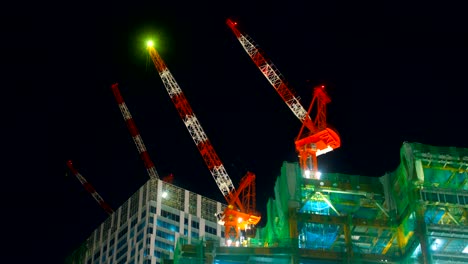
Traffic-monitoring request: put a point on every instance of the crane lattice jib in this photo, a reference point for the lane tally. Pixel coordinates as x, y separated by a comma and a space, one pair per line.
273, 75
149, 165
195, 129
90, 189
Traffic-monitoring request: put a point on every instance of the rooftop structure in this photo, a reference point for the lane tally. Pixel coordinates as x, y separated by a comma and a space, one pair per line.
146, 227
415, 214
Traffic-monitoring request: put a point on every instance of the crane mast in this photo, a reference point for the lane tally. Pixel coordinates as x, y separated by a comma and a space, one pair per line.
149, 165
90, 189
237, 214
314, 138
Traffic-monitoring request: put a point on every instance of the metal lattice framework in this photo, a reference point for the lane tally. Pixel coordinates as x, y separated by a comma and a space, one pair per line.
273, 75
149, 165
240, 213
415, 214
90, 189
318, 138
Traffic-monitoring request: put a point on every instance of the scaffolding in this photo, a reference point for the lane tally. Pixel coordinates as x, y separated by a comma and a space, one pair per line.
415, 214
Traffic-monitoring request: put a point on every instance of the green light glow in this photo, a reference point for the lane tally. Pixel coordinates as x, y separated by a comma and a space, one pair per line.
150, 43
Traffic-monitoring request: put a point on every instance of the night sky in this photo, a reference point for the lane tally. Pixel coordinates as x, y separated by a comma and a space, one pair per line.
394, 72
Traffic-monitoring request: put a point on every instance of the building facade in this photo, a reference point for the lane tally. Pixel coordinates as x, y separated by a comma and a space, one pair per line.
145, 229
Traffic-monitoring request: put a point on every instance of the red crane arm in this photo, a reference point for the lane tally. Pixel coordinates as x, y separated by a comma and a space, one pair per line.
187, 115
318, 138
273, 75
240, 213
153, 174
90, 189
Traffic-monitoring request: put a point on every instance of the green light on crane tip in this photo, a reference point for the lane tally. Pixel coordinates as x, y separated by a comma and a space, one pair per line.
150, 43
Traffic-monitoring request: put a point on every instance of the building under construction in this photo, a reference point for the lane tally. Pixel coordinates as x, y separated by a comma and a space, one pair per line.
415, 214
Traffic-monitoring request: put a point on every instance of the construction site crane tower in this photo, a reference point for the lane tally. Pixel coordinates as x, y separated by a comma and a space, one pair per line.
149, 165
240, 214
315, 137
90, 189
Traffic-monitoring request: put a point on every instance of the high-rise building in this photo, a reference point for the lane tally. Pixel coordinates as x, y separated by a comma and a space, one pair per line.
147, 226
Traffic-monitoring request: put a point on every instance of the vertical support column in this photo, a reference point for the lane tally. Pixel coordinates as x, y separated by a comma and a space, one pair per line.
140, 200
348, 240
95, 240
181, 223
186, 201
292, 219
401, 239
151, 245
293, 234
186, 212
201, 229
421, 231
159, 197
119, 218
219, 228
113, 234
199, 206
101, 227
189, 229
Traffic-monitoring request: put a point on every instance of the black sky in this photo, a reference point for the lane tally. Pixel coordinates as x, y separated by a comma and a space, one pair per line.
395, 73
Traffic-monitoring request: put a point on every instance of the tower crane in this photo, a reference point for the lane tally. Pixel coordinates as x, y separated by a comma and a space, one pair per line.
88, 187
240, 213
153, 174
315, 137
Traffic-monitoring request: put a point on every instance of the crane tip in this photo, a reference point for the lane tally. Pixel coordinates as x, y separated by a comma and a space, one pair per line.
230, 22
149, 43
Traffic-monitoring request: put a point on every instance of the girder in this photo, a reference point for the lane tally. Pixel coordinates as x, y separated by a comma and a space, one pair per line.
240, 212
196, 131
149, 165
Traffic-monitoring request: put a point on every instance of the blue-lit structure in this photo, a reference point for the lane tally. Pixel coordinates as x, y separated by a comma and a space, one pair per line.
415, 214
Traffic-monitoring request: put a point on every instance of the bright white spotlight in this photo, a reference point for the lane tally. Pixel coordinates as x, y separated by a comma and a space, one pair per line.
318, 174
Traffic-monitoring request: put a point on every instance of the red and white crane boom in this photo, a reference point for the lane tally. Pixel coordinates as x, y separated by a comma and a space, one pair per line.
273, 75
319, 138
90, 189
240, 212
187, 115
149, 165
